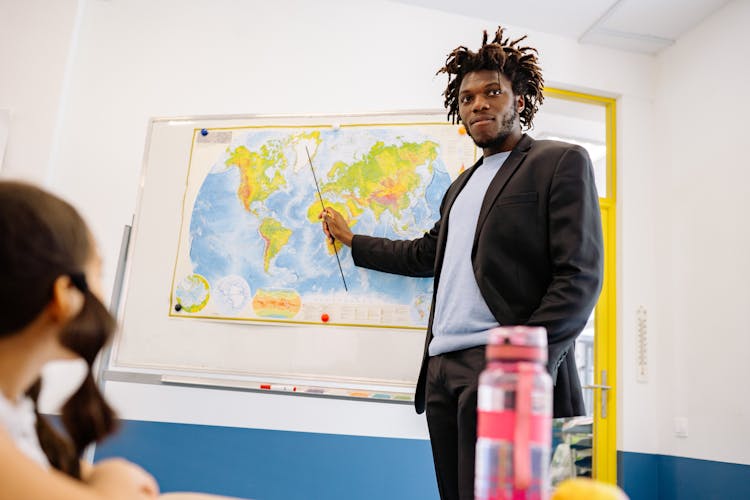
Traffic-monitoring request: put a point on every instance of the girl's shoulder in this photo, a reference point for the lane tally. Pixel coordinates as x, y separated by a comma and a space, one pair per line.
18, 421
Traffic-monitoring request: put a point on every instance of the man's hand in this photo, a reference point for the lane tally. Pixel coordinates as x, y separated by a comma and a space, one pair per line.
335, 226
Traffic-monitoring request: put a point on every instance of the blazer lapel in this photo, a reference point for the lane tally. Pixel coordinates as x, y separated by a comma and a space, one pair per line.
498, 183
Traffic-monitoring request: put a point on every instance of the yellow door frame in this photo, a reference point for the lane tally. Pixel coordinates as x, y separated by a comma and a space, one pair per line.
605, 319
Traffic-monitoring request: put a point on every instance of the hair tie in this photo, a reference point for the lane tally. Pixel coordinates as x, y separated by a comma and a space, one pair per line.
79, 281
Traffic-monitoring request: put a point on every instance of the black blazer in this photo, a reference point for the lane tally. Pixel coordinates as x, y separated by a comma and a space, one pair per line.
537, 253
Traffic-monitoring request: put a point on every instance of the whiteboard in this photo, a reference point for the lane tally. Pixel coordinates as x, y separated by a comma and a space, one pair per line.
155, 338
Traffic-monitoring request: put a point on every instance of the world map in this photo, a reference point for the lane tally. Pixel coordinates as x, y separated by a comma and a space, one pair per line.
256, 250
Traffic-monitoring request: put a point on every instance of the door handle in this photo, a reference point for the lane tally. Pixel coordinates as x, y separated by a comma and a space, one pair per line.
603, 387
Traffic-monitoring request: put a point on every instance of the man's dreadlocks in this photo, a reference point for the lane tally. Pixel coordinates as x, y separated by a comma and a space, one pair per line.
518, 64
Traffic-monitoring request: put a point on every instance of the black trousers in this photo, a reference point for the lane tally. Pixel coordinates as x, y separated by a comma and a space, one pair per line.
451, 407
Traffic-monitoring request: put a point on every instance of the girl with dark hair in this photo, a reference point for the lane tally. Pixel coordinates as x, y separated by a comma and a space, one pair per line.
50, 309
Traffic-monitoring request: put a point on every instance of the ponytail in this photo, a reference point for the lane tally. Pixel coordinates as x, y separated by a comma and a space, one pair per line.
86, 416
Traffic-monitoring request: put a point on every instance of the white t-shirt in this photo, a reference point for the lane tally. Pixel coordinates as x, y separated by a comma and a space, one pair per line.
19, 421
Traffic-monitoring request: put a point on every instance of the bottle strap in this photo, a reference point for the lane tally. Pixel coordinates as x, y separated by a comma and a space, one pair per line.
521, 433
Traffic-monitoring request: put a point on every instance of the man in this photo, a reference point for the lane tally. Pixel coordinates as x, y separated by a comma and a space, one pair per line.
519, 242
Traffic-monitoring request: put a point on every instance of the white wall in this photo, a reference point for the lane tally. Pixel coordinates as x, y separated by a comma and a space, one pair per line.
35, 39
136, 59
636, 266
702, 239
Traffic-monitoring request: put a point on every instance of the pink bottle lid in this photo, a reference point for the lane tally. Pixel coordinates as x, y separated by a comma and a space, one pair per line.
521, 343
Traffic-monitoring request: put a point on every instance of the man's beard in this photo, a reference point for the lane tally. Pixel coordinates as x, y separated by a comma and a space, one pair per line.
506, 129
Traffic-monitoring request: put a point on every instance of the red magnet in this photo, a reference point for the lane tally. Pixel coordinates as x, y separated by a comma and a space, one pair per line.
324, 318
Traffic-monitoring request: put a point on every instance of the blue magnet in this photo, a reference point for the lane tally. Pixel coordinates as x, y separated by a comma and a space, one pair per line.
204, 132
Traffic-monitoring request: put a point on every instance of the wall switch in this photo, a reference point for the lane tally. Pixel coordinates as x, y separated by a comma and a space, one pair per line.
681, 427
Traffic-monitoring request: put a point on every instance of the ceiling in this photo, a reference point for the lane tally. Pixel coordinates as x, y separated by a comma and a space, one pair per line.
645, 26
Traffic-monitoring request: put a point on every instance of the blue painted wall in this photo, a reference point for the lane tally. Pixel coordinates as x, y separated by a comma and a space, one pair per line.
279, 465
276, 465
663, 477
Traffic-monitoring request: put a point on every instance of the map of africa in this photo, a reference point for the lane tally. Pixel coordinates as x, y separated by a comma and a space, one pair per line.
254, 248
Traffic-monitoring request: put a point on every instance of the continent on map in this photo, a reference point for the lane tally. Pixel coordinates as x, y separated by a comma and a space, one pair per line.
231, 294
255, 183
262, 172
276, 236
384, 178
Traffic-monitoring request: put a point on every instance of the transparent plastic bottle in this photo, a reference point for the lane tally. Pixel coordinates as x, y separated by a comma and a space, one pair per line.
514, 417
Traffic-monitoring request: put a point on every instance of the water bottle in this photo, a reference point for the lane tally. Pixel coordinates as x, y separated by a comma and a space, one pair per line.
514, 417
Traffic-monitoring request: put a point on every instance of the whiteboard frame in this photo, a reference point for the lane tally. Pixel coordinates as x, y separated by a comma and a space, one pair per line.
316, 385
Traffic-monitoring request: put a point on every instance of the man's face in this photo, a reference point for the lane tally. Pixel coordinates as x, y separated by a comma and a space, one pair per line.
489, 110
